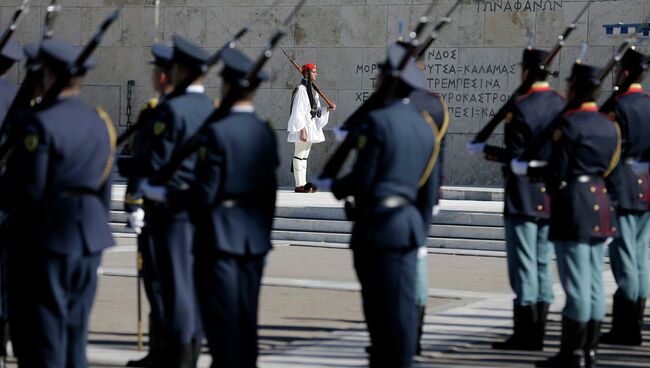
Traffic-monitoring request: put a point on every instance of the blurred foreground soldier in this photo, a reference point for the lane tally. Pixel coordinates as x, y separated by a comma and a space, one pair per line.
172, 231
394, 195
434, 109
233, 201
585, 150
58, 182
305, 126
9, 55
629, 253
133, 202
527, 209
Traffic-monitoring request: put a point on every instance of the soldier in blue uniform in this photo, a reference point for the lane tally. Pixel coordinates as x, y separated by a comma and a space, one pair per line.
527, 209
171, 229
434, 109
629, 253
58, 181
394, 195
133, 202
233, 201
585, 150
10, 54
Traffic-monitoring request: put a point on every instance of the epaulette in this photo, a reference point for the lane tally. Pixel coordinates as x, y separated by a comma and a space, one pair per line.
153, 102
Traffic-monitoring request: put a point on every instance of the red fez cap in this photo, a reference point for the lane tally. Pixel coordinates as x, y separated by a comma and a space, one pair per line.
306, 67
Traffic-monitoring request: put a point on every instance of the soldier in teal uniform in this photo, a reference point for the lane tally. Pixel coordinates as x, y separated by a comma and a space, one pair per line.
527, 209
629, 253
585, 150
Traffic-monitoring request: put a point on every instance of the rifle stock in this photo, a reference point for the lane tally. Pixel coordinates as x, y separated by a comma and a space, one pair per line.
533, 75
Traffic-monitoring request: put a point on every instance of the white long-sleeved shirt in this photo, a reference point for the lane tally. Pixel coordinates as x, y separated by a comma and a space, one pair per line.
301, 118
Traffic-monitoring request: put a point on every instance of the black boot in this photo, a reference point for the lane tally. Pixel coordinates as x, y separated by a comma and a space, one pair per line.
154, 346
185, 357
421, 310
624, 324
571, 355
4, 338
640, 312
196, 351
524, 332
593, 334
540, 327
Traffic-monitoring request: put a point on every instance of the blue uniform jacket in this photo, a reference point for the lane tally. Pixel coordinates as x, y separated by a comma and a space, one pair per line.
172, 124
585, 150
7, 94
58, 179
632, 112
395, 148
531, 115
233, 197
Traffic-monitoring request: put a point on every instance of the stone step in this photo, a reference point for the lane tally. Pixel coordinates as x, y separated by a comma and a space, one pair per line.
432, 242
345, 227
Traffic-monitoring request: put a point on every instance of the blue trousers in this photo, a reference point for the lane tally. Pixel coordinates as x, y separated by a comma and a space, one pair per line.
629, 256
228, 287
387, 278
172, 241
581, 273
53, 319
529, 259
151, 274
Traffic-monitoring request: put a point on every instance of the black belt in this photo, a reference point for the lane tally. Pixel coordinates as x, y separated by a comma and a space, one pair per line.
586, 178
393, 202
76, 192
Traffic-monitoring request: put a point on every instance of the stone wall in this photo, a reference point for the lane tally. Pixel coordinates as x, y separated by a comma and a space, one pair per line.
473, 63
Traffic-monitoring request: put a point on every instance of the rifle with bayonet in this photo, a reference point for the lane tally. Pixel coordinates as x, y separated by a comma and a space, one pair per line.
182, 86
234, 94
433, 36
313, 84
533, 76
52, 94
13, 24
376, 100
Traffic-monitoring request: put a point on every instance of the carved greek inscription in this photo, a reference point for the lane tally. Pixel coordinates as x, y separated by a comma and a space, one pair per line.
529, 6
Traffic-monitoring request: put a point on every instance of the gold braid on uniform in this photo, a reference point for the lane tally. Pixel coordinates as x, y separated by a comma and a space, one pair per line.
617, 153
108, 166
436, 150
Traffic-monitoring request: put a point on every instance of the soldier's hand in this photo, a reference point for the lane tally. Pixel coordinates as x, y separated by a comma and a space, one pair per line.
519, 167
476, 148
156, 193
333, 108
435, 211
303, 134
136, 220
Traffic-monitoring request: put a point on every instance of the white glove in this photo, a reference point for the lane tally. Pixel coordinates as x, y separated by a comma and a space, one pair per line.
156, 193
436, 210
322, 184
640, 167
136, 221
475, 148
340, 134
519, 167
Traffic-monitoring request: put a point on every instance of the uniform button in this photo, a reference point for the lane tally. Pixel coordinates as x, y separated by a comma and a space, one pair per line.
596, 207
540, 208
613, 229
611, 209
593, 189
543, 189
596, 228
640, 181
641, 196
604, 190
